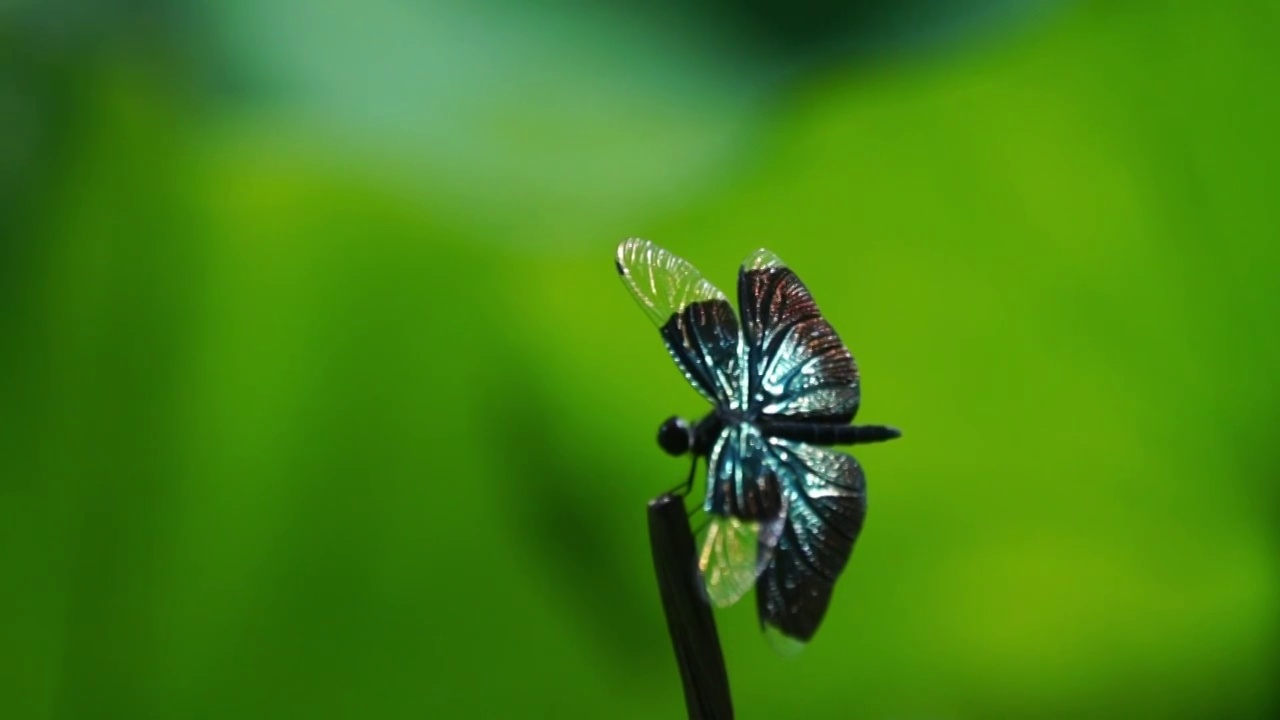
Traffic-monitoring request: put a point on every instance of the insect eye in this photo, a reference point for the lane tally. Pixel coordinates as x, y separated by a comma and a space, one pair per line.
674, 436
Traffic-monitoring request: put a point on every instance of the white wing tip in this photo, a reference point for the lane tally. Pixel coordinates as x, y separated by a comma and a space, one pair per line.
628, 250
763, 258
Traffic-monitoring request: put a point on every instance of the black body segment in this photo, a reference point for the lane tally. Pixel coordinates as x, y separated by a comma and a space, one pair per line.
828, 433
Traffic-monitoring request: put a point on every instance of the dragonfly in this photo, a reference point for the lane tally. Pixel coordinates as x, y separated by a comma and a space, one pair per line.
784, 507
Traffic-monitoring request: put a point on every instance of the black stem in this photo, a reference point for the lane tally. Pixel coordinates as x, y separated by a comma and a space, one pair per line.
689, 620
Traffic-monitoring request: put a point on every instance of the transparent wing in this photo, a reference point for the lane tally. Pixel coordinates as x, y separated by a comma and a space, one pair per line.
824, 493
796, 365
696, 320
733, 554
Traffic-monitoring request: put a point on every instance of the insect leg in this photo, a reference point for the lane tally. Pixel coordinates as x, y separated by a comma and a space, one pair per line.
683, 488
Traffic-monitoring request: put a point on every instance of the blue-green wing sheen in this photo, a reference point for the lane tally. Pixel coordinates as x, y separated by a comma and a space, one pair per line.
796, 365
824, 495
784, 518
696, 320
741, 478
747, 514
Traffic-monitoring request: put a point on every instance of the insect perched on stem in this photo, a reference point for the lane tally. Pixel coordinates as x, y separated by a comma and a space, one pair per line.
785, 508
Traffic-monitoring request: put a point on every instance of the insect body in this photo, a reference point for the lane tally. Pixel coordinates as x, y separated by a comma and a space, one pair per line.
785, 508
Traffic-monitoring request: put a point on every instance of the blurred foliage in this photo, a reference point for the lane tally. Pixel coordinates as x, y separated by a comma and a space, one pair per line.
319, 395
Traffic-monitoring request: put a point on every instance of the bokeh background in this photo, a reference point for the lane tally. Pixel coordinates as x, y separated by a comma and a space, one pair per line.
319, 396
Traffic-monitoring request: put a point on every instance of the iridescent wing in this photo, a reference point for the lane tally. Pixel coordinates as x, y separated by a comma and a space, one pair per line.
733, 554
824, 493
747, 514
797, 367
696, 320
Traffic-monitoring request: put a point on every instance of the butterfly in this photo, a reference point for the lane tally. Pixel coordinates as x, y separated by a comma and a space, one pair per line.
785, 508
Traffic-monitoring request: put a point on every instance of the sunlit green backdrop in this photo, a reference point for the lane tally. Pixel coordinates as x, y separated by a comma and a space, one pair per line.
319, 396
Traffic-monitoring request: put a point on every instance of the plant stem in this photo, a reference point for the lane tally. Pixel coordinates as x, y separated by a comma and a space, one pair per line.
689, 619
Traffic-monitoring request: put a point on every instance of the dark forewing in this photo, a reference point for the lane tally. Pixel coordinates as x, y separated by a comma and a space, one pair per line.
695, 319
796, 364
824, 493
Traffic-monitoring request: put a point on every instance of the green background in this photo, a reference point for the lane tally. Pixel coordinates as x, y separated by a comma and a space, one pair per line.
319, 396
